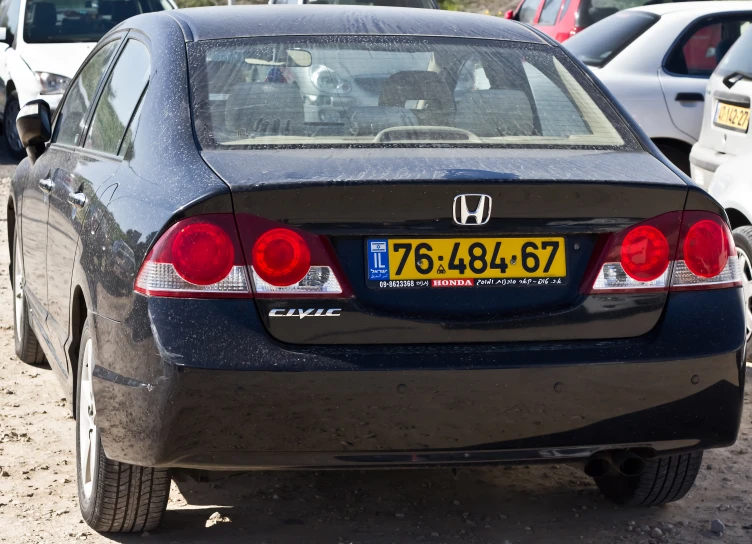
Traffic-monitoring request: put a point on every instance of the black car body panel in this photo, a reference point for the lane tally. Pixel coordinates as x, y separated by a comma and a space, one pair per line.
400, 381
208, 24
248, 404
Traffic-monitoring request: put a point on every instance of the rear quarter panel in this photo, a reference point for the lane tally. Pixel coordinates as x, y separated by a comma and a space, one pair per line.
161, 177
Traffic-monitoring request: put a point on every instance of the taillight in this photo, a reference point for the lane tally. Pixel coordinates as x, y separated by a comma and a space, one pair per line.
288, 262
644, 253
706, 257
693, 250
281, 257
221, 255
196, 257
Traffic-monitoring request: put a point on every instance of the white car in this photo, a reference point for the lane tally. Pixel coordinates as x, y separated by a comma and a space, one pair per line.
725, 126
656, 60
732, 188
43, 43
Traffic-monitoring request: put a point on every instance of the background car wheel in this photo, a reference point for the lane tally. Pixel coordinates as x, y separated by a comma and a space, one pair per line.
743, 241
12, 107
666, 479
677, 156
113, 496
28, 349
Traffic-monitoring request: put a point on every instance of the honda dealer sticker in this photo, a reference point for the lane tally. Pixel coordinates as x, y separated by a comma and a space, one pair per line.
378, 260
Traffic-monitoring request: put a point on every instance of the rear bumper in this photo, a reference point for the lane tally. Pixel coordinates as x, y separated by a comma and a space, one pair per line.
270, 406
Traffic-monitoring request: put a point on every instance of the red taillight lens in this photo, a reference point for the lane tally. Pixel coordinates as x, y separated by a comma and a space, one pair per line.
199, 256
202, 253
281, 257
287, 262
676, 250
645, 253
706, 249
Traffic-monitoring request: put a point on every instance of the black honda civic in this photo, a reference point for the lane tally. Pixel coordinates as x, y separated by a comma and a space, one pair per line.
341, 237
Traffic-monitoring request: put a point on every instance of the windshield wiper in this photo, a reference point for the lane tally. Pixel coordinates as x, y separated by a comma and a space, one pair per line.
735, 77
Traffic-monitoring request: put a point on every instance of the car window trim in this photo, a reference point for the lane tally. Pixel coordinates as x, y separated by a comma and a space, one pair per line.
691, 28
130, 35
100, 46
139, 102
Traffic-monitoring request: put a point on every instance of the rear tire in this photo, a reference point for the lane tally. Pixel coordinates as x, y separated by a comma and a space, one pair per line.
114, 497
12, 107
679, 158
28, 349
743, 241
666, 479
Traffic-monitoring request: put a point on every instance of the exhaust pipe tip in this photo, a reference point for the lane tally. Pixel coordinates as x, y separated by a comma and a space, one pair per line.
630, 464
597, 466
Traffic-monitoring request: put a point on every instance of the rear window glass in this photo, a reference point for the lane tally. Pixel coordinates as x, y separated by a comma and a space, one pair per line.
598, 44
393, 91
592, 11
739, 57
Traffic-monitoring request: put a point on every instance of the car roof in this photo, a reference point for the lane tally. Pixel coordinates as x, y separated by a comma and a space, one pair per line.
223, 22
698, 8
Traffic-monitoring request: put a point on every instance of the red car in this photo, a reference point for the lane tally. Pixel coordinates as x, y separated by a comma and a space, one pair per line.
562, 19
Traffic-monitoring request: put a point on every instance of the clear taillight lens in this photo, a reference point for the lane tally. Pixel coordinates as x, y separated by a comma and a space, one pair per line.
680, 251
196, 257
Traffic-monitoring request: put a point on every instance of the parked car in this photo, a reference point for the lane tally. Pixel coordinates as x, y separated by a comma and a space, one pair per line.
490, 265
42, 44
725, 124
732, 189
562, 19
426, 4
656, 60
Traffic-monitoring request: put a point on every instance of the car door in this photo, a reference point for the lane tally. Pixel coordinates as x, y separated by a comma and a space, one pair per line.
689, 63
56, 168
86, 175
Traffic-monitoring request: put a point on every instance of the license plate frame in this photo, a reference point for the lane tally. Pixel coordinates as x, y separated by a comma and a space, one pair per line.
729, 116
518, 261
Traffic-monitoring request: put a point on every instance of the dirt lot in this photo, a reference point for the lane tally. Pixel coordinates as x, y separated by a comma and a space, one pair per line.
517, 504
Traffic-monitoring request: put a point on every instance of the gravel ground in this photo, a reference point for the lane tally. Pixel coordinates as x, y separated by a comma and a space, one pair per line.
552, 504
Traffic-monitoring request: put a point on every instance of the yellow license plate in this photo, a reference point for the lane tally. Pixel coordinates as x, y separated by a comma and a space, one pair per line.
731, 116
437, 262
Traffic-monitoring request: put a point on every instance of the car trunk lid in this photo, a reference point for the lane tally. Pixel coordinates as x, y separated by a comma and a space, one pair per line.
355, 198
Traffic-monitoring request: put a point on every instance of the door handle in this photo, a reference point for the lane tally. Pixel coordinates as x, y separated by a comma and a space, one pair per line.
77, 199
46, 185
690, 97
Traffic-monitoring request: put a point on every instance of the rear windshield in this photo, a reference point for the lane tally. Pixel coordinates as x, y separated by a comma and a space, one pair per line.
598, 44
590, 12
55, 21
393, 91
739, 57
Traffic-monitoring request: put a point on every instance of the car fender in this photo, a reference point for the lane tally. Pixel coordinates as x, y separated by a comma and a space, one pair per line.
731, 187
23, 77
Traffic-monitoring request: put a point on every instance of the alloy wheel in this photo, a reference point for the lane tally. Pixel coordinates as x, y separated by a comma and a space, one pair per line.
88, 435
746, 266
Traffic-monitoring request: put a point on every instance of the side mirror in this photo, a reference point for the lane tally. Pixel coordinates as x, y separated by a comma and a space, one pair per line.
34, 128
509, 14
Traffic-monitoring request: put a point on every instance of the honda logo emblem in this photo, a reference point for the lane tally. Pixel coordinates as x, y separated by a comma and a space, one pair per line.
478, 216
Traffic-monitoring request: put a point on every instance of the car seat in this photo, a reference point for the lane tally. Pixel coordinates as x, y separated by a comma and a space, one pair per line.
496, 112
428, 87
251, 103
